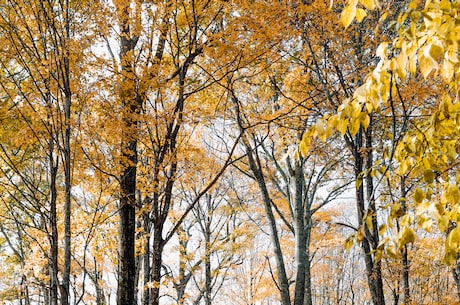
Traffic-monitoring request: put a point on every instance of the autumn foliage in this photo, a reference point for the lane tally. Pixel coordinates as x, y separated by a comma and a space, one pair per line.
229, 152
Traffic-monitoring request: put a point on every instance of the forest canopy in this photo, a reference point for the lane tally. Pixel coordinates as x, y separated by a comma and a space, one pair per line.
229, 152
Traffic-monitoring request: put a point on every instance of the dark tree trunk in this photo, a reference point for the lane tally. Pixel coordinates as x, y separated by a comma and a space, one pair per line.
53, 259
131, 108
126, 261
207, 259
456, 275
405, 256
373, 268
146, 260
157, 259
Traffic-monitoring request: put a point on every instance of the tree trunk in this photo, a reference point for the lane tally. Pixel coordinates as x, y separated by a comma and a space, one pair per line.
405, 257
373, 268
256, 169
207, 259
126, 261
300, 236
146, 260
65, 286
100, 296
308, 293
282, 277
456, 275
158, 246
131, 107
53, 238
377, 281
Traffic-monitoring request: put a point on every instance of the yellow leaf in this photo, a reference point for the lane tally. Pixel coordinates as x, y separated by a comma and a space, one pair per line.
382, 229
354, 126
359, 182
369, 222
452, 246
406, 236
447, 71
296, 155
418, 195
319, 126
369, 4
360, 14
406, 220
391, 251
365, 120
303, 148
436, 51
452, 194
378, 255
453, 239
396, 210
428, 176
427, 64
450, 258
382, 50
443, 222
349, 242
348, 15
342, 126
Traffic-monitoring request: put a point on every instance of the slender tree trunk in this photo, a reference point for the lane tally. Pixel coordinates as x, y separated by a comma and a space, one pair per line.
300, 236
405, 257
282, 277
131, 108
65, 286
308, 288
46, 294
24, 291
373, 269
146, 261
372, 212
67, 209
157, 248
183, 278
256, 169
207, 261
53, 259
100, 296
456, 276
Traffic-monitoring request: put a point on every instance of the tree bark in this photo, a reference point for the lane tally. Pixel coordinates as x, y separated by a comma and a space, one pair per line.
373, 268
158, 245
256, 169
53, 238
207, 259
456, 276
300, 236
146, 260
65, 286
131, 108
405, 256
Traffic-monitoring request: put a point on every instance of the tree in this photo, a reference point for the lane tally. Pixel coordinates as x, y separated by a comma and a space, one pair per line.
206, 139
428, 150
37, 75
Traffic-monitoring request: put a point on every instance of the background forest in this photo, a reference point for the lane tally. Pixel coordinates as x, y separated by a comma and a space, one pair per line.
229, 152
